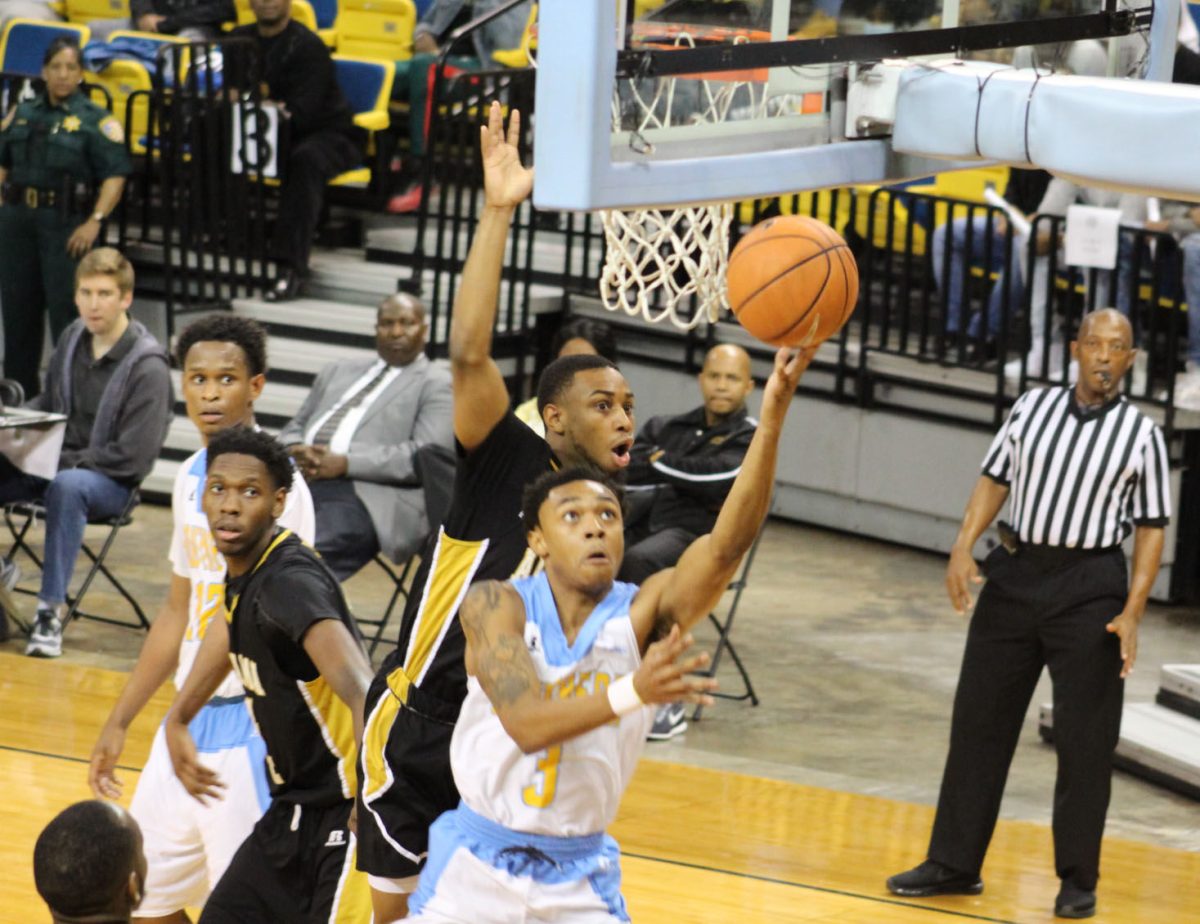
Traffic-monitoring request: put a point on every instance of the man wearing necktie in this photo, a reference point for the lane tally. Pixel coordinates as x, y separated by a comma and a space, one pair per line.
356, 439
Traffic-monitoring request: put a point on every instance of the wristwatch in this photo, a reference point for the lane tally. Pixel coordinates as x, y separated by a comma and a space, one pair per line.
98, 217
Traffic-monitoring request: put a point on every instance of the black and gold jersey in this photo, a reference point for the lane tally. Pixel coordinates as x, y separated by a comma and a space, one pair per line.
483, 538
308, 730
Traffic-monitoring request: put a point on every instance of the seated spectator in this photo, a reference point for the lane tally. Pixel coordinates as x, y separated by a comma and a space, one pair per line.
111, 379
971, 240
194, 20
88, 864
413, 77
1183, 220
1060, 195
299, 77
578, 336
680, 471
357, 435
26, 9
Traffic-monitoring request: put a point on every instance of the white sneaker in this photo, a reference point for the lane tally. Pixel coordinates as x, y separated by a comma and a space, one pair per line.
45, 639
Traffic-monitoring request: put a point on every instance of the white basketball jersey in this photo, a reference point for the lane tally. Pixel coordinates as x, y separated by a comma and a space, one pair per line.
573, 788
194, 556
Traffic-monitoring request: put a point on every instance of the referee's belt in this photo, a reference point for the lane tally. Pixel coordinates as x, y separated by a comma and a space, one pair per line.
35, 197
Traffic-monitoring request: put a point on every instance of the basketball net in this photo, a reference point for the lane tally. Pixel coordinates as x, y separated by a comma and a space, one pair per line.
656, 260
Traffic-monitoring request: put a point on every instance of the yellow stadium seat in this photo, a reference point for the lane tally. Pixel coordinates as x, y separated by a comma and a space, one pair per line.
88, 10
522, 55
25, 42
122, 78
367, 85
380, 29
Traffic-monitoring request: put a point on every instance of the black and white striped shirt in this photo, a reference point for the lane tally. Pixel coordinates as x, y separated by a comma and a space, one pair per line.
1080, 480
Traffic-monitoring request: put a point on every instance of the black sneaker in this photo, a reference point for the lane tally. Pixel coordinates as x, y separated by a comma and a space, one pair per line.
1073, 902
934, 878
669, 721
45, 639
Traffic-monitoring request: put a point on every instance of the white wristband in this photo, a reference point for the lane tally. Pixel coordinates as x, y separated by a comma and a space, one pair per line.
623, 697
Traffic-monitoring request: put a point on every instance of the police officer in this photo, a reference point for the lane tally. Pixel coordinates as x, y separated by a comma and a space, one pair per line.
54, 151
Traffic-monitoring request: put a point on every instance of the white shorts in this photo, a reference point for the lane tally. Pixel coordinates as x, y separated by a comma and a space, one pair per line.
188, 845
477, 868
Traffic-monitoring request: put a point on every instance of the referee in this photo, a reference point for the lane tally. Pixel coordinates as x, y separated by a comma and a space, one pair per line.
1082, 468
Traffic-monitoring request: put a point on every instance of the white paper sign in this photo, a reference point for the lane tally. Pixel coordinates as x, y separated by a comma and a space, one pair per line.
1091, 238
255, 138
34, 450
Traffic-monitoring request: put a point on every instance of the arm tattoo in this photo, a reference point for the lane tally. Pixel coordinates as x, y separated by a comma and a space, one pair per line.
501, 662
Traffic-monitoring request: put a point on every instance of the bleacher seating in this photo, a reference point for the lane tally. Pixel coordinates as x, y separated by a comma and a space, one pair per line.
124, 77
367, 85
326, 12
380, 29
25, 42
302, 12
85, 11
522, 55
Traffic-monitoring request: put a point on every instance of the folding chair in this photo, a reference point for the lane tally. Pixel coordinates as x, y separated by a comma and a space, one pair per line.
435, 467
399, 578
725, 629
32, 511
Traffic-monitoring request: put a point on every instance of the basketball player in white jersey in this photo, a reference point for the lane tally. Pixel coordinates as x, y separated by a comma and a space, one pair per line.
561, 669
188, 845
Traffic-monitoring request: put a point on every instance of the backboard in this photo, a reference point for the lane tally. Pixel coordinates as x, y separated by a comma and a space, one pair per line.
666, 102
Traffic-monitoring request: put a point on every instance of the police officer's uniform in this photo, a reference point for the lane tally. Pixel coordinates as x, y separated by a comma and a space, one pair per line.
56, 157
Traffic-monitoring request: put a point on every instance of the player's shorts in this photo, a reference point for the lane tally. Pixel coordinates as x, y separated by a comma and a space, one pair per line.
188, 845
477, 864
296, 867
404, 773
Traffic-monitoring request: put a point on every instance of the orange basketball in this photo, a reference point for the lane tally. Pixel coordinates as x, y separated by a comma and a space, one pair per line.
792, 277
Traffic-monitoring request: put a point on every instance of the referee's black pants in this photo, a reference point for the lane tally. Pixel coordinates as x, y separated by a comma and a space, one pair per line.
1043, 606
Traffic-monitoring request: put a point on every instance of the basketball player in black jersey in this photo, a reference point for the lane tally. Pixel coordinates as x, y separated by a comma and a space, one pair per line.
587, 407
299, 655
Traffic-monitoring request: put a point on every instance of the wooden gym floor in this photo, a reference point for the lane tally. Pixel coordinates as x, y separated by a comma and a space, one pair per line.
793, 811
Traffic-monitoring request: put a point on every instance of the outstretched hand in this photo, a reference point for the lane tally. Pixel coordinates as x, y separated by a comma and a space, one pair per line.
789, 367
506, 182
662, 679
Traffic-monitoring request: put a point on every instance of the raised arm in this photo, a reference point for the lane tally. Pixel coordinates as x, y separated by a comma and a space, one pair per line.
341, 661
493, 618
684, 594
480, 396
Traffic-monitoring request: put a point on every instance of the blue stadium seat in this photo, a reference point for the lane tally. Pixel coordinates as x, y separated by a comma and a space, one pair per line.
326, 12
367, 85
26, 40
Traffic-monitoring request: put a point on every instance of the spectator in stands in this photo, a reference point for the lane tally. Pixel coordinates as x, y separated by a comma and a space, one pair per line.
26, 9
88, 864
578, 336
414, 77
1183, 220
1060, 195
298, 74
194, 20
356, 439
111, 379
54, 149
680, 470
969, 239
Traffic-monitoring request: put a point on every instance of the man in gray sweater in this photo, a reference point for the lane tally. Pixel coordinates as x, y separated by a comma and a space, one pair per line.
111, 379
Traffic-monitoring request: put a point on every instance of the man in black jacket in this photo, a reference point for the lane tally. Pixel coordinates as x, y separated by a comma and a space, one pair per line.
680, 471
299, 77
111, 379
194, 20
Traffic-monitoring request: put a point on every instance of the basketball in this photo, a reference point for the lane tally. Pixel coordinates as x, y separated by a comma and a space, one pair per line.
792, 278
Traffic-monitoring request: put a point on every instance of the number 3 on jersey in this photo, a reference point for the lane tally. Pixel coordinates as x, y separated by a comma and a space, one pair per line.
540, 793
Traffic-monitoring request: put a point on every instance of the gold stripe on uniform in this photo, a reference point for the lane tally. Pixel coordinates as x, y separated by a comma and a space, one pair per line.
336, 722
352, 900
454, 564
377, 774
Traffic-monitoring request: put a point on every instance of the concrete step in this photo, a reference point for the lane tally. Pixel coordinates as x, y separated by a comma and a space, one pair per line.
345, 276
1179, 689
325, 320
1158, 744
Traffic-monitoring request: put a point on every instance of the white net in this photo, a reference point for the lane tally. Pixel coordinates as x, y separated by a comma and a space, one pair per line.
658, 259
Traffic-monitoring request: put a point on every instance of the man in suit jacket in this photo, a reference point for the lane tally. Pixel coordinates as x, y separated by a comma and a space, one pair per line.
356, 439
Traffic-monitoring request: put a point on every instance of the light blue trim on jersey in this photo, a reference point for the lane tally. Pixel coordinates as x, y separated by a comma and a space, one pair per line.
543, 858
200, 470
541, 610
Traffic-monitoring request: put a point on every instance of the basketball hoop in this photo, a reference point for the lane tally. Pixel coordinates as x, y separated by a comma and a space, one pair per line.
656, 260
